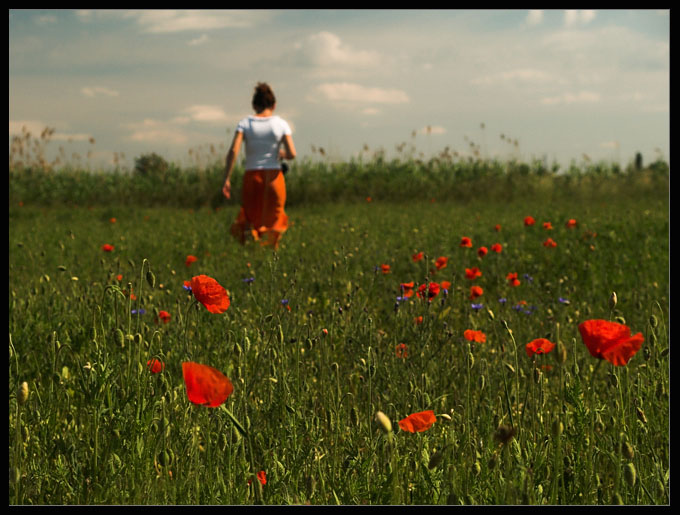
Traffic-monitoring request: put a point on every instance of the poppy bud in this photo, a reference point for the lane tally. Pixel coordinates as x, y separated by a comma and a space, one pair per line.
150, 278
629, 474
627, 450
22, 393
653, 321
612, 300
383, 421
561, 353
641, 415
620, 320
471, 360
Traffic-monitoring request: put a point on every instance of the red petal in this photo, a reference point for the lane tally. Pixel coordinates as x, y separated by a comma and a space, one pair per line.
418, 422
206, 385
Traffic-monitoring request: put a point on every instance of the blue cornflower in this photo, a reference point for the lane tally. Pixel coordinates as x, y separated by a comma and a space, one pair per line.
563, 300
284, 301
477, 306
502, 300
528, 277
138, 311
248, 280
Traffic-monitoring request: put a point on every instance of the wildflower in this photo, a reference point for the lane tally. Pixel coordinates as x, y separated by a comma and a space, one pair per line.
249, 280
401, 350
474, 336
549, 243
324, 331
482, 251
112, 220
187, 285
107, 247
417, 256
418, 422
571, 223
164, 316
475, 291
477, 307
465, 242
497, 248
473, 273
432, 290
206, 385
562, 300
418, 320
406, 289
502, 300
119, 277
368, 199
210, 293
547, 226
190, 259
528, 278
512, 279
385, 269
445, 286
529, 220
140, 311
610, 340
497, 227
155, 366
441, 262
539, 346
262, 475
284, 303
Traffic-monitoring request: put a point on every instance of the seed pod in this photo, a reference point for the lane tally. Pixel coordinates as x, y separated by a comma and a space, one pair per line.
562, 353
150, 278
620, 320
627, 450
653, 321
22, 393
641, 415
383, 421
629, 474
471, 360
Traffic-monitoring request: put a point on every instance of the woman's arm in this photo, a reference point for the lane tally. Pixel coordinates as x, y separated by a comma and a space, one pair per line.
231, 160
288, 149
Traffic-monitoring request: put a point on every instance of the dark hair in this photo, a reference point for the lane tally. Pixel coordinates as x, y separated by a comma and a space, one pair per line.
264, 97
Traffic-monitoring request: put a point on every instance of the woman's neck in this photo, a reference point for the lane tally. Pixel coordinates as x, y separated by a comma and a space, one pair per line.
264, 113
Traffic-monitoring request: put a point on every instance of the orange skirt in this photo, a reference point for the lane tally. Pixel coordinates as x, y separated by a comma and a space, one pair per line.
262, 217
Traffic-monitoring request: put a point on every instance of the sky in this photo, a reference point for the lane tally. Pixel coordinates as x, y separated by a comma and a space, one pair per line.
554, 85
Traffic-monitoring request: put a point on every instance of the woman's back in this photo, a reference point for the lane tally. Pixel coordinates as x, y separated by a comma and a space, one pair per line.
263, 136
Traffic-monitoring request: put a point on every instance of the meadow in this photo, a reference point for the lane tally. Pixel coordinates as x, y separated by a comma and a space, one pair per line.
329, 349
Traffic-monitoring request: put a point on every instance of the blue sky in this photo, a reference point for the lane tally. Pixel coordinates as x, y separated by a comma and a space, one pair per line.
548, 84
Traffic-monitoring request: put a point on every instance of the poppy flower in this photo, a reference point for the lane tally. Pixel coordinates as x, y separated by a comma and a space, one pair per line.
164, 316
497, 248
472, 273
441, 262
610, 340
418, 422
401, 350
112, 220
418, 320
155, 366
187, 285
261, 477
529, 220
475, 291
445, 285
406, 289
210, 293
549, 243
547, 226
190, 259
417, 256
385, 269
474, 336
206, 385
571, 223
512, 279
119, 277
539, 346
482, 251
107, 248
432, 290
498, 227
465, 242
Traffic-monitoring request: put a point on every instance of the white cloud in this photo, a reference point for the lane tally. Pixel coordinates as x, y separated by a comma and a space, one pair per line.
208, 114
199, 40
36, 128
355, 93
327, 55
169, 21
583, 97
574, 16
516, 75
534, 16
155, 131
45, 19
98, 91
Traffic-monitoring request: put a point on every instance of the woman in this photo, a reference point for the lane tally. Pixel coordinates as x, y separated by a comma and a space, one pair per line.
268, 139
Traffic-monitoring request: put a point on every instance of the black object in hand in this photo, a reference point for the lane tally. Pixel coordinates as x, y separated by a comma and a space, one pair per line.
284, 168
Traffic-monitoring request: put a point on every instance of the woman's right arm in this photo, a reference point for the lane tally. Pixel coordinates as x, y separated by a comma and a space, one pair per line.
231, 160
288, 150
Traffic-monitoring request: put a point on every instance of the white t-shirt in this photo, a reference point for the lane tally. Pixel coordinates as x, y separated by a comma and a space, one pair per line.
263, 137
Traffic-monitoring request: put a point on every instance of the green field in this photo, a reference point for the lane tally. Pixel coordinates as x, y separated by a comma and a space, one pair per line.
312, 344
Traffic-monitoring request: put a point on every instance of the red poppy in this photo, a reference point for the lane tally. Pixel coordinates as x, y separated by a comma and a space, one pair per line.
497, 248
441, 262
482, 251
401, 350
512, 279
164, 316
549, 243
539, 346
324, 331
498, 227
368, 199
107, 248
445, 285
529, 220
190, 259
385, 269
571, 223
155, 366
432, 290
418, 320
417, 256
475, 291
418, 422
112, 220
206, 385
474, 336
119, 277
210, 293
406, 289
610, 340
473, 273
261, 477
465, 242
547, 226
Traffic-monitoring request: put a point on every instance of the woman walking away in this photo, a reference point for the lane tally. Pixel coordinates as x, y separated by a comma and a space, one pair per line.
268, 139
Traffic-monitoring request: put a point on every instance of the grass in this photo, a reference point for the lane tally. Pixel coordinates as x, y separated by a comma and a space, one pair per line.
98, 428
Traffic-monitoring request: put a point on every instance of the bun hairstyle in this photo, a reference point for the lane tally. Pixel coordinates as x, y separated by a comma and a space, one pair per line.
263, 98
